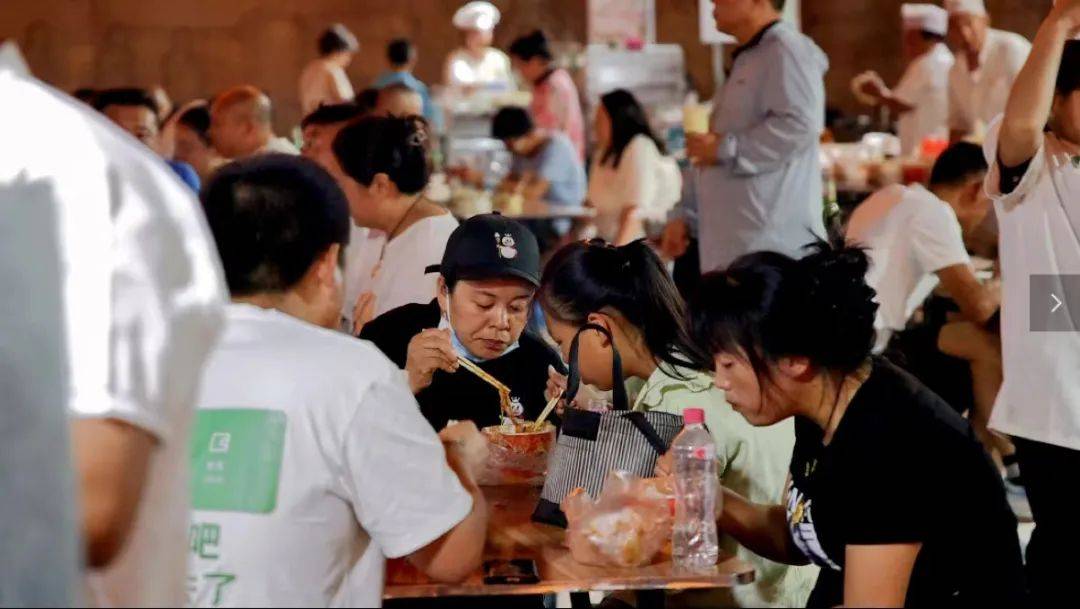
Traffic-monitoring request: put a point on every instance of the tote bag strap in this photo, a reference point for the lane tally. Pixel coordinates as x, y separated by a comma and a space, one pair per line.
642, 424
573, 381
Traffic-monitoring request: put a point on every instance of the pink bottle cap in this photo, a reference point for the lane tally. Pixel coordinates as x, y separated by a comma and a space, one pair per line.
693, 416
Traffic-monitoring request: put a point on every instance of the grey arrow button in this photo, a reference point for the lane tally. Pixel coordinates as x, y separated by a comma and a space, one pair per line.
1057, 303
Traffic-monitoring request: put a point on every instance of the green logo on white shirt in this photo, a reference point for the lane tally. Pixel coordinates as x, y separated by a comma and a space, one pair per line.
236, 459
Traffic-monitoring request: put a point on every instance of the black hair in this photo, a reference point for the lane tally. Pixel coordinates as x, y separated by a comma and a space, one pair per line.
511, 122
628, 120
335, 39
1068, 80
779, 4
197, 118
959, 163
931, 36
125, 96
85, 95
391, 145
400, 51
272, 216
332, 114
769, 305
367, 99
533, 44
594, 277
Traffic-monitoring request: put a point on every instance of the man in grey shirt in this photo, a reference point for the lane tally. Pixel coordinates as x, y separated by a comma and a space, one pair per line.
757, 175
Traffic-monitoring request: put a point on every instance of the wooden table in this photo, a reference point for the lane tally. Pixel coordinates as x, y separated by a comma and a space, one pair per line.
512, 534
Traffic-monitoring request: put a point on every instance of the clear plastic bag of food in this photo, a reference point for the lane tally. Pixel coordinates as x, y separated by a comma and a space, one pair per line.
629, 525
517, 456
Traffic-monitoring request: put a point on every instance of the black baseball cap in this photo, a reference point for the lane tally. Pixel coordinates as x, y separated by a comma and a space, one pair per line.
490, 246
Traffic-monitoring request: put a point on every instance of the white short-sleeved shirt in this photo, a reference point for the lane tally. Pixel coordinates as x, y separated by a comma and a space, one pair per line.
401, 278
975, 98
311, 464
143, 293
1040, 235
925, 85
910, 235
645, 178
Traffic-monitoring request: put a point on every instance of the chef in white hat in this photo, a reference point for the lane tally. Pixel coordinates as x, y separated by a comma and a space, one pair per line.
921, 98
987, 62
478, 65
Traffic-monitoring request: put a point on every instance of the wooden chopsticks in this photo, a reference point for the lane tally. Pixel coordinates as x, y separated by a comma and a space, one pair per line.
504, 391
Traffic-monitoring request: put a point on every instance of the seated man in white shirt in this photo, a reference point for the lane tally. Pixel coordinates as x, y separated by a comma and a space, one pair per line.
311, 462
915, 239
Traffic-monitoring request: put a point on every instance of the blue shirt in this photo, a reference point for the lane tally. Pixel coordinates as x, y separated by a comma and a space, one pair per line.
431, 111
557, 162
186, 173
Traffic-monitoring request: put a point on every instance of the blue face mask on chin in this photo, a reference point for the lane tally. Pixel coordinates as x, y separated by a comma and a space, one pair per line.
459, 346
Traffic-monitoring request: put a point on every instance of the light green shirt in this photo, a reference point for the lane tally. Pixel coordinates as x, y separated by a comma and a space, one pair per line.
753, 462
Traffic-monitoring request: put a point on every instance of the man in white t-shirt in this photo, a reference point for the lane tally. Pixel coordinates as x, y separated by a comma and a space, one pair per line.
311, 461
987, 61
915, 239
921, 98
1035, 181
142, 293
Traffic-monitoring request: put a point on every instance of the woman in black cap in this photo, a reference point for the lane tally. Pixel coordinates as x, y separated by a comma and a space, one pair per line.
488, 277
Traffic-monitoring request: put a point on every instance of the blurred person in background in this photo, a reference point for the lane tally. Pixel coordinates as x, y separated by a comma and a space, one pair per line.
321, 127
545, 169
401, 55
921, 99
478, 65
242, 124
758, 171
324, 80
191, 139
399, 100
987, 62
632, 181
556, 105
136, 112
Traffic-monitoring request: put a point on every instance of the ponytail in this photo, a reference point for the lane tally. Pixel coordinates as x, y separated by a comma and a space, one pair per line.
594, 277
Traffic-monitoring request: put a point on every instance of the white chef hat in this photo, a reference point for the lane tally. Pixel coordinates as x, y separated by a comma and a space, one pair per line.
477, 15
969, 7
925, 18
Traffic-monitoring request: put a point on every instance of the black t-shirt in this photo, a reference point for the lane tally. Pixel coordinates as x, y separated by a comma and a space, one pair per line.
463, 396
903, 467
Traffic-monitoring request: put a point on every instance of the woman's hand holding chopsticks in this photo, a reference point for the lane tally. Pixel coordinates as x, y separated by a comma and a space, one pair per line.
429, 351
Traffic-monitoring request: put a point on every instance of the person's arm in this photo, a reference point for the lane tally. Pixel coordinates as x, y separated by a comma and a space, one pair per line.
893, 99
1032, 94
111, 460
763, 529
457, 554
794, 103
977, 302
415, 495
878, 575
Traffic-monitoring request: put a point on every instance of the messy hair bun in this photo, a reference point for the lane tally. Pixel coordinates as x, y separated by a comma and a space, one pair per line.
768, 306
395, 146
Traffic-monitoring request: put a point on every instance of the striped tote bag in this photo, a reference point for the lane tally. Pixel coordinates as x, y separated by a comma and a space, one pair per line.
591, 444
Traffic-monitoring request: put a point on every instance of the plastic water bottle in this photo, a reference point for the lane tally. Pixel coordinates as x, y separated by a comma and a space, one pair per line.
694, 541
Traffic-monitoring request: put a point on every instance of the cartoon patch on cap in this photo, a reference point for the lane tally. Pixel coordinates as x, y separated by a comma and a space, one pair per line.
506, 246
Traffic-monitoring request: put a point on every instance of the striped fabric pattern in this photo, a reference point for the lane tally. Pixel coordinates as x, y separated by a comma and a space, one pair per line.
619, 445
